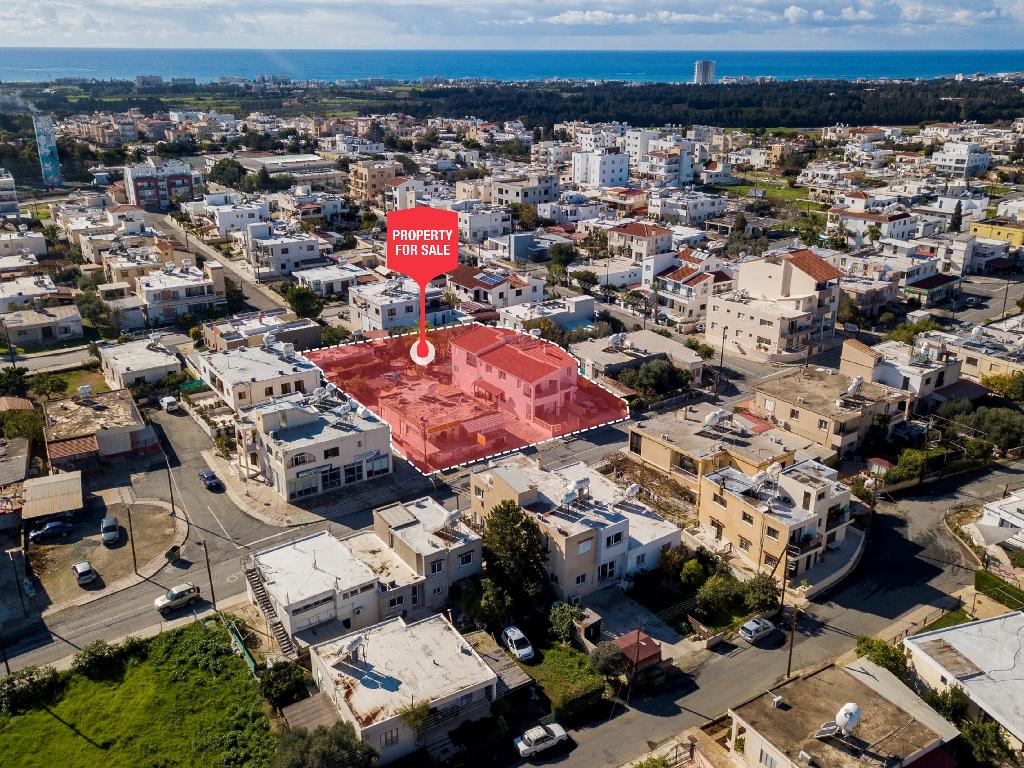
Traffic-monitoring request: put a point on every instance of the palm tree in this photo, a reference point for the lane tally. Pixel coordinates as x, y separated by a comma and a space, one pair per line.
874, 232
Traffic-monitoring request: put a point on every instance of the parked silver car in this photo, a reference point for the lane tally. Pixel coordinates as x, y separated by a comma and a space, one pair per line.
176, 597
110, 531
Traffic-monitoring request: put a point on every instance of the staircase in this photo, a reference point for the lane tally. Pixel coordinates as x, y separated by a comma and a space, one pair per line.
259, 591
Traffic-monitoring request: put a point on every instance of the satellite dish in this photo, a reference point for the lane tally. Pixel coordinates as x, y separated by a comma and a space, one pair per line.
186, 263
632, 490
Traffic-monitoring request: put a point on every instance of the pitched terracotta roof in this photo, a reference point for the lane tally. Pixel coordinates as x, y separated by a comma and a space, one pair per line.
681, 273
860, 346
527, 359
812, 265
469, 277
123, 208
76, 446
640, 229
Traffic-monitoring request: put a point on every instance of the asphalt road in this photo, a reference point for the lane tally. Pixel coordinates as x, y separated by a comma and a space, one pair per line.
910, 561
990, 296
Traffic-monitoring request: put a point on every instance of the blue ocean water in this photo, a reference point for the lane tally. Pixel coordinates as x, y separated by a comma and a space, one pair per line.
21, 64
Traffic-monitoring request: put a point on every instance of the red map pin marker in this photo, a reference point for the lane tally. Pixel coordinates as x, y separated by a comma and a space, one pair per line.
422, 244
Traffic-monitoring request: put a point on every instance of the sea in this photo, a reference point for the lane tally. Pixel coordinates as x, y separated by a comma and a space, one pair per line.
206, 65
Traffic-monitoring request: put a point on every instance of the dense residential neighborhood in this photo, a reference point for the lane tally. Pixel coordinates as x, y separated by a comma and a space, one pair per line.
717, 463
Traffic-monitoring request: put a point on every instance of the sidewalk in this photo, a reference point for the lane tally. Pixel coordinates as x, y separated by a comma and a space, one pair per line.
263, 502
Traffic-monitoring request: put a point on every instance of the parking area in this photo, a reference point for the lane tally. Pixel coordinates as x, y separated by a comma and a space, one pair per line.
51, 562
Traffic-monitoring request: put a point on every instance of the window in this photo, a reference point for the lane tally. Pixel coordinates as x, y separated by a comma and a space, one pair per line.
330, 453
794, 413
744, 544
772, 533
807, 500
268, 391
390, 738
286, 388
581, 579
241, 395
437, 566
718, 499
584, 547
437, 591
331, 478
611, 541
641, 559
397, 601
466, 558
353, 472
748, 518
392, 312
769, 405
770, 560
767, 760
378, 466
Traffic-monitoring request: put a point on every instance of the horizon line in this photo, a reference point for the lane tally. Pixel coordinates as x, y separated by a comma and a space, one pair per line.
510, 50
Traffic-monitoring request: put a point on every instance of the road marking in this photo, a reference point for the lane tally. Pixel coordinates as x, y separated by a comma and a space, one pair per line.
272, 536
227, 535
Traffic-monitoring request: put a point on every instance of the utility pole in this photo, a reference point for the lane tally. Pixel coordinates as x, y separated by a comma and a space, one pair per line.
209, 574
1006, 293
721, 360
3, 652
170, 483
792, 640
17, 583
131, 540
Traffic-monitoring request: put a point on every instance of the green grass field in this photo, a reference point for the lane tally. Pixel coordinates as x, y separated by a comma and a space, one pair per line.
951, 619
559, 668
190, 703
1004, 592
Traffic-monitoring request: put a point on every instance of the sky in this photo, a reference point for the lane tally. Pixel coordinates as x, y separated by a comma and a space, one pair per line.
523, 24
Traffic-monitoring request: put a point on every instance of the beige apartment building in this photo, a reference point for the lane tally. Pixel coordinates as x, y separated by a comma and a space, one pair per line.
639, 240
367, 179
782, 515
597, 533
693, 442
834, 410
783, 308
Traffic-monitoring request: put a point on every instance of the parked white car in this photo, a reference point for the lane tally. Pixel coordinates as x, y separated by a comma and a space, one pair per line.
517, 644
755, 629
540, 738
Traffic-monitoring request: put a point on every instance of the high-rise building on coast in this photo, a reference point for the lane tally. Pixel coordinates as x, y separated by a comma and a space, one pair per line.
8, 195
704, 72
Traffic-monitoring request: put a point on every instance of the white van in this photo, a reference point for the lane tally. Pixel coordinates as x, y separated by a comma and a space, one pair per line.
169, 404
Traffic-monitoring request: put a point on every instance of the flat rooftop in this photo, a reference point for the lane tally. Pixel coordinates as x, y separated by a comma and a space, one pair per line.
687, 430
310, 567
763, 496
886, 734
398, 663
29, 318
179, 276
825, 392
984, 657
137, 356
89, 414
237, 366
425, 526
253, 324
331, 420
377, 557
637, 345
332, 272
604, 504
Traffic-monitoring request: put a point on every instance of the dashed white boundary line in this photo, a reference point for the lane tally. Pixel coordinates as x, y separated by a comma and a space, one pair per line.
490, 457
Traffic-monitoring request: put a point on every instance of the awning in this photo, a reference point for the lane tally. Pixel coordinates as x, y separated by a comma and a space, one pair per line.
52, 494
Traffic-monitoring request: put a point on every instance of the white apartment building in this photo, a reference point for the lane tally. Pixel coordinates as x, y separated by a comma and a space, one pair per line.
665, 167
921, 368
178, 290
251, 329
689, 208
428, 662
236, 217
570, 209
704, 72
480, 223
637, 141
18, 243
962, 159
602, 168
860, 219
685, 291
532, 188
552, 153
8, 194
395, 303
305, 446
401, 193
568, 313
249, 376
23, 292
333, 279
783, 308
273, 252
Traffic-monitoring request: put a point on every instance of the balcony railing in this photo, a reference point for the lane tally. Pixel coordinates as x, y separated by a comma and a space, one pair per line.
688, 474
803, 547
834, 520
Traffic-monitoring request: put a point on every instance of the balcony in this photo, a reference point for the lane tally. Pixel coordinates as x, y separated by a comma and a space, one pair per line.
809, 544
835, 519
684, 472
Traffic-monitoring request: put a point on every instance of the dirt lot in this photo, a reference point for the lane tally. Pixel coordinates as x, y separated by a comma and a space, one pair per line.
154, 533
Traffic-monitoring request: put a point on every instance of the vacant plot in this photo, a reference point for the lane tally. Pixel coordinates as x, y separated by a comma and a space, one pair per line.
1000, 590
189, 702
51, 563
561, 670
951, 619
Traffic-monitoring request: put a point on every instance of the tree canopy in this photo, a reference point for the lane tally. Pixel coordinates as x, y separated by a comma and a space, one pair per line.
515, 553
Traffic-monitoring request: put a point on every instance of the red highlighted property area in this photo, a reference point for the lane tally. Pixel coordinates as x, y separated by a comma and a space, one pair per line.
487, 391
